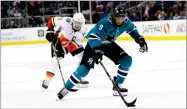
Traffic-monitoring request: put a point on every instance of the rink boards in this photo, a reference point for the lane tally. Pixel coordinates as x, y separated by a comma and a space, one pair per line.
151, 30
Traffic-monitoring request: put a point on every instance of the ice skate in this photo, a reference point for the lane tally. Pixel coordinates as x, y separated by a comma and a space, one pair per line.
62, 93
121, 88
45, 85
83, 84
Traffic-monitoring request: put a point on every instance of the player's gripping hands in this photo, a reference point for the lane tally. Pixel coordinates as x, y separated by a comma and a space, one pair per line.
98, 54
143, 45
50, 35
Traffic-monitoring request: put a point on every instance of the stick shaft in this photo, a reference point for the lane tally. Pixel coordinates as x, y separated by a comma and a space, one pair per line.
54, 49
114, 84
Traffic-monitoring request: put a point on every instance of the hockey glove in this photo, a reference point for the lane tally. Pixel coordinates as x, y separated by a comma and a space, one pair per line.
60, 51
50, 35
142, 43
98, 55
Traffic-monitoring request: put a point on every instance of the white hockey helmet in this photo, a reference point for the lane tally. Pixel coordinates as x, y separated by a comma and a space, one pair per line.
78, 21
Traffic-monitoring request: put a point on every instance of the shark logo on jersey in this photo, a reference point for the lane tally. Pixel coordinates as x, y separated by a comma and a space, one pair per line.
68, 20
105, 42
90, 61
108, 39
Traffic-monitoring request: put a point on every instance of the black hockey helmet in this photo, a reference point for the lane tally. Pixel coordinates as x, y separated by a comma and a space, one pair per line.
119, 12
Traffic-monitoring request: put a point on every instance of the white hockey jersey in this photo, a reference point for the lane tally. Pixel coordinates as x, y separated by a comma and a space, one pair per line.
64, 25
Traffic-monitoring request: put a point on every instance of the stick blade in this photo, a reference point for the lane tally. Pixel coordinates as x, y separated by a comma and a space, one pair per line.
132, 104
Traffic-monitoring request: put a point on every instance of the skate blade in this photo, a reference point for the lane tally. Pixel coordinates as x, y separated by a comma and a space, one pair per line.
82, 85
44, 89
115, 93
57, 99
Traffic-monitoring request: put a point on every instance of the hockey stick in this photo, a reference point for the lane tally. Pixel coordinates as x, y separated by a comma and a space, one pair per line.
131, 104
54, 49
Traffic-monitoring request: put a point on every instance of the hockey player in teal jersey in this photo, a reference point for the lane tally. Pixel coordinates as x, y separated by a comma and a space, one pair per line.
101, 41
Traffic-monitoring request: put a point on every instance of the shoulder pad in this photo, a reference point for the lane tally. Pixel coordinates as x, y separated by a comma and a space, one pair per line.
68, 20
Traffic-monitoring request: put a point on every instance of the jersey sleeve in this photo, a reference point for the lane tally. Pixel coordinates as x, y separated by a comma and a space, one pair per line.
97, 35
55, 22
131, 29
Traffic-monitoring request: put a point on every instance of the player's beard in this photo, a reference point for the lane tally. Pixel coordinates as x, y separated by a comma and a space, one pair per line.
118, 23
76, 26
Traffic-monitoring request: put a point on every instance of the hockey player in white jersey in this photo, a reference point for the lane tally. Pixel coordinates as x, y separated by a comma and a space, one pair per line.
67, 39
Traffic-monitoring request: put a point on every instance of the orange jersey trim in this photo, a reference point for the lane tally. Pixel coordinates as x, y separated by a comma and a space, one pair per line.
50, 23
72, 46
63, 40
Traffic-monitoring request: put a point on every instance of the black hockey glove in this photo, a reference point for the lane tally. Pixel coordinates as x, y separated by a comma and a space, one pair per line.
50, 35
98, 55
60, 51
142, 43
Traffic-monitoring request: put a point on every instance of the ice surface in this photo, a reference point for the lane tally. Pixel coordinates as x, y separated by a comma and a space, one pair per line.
157, 78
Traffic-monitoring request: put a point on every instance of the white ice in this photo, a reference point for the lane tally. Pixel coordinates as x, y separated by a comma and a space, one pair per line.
157, 78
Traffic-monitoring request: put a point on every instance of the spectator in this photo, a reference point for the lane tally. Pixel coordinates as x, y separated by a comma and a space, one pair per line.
17, 14
33, 8
175, 8
135, 17
95, 16
31, 20
35, 24
176, 17
24, 14
161, 16
170, 17
12, 24
22, 5
145, 17
181, 6
152, 11
135, 10
107, 11
16, 3
10, 11
182, 15
24, 23
55, 8
16, 8
39, 21
110, 4
149, 10
146, 12
3, 11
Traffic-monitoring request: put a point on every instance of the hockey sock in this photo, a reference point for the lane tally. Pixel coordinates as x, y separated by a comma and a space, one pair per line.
49, 75
121, 74
123, 69
77, 76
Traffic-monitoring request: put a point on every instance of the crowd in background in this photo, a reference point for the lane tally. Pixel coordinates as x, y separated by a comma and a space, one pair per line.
145, 11
21, 14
